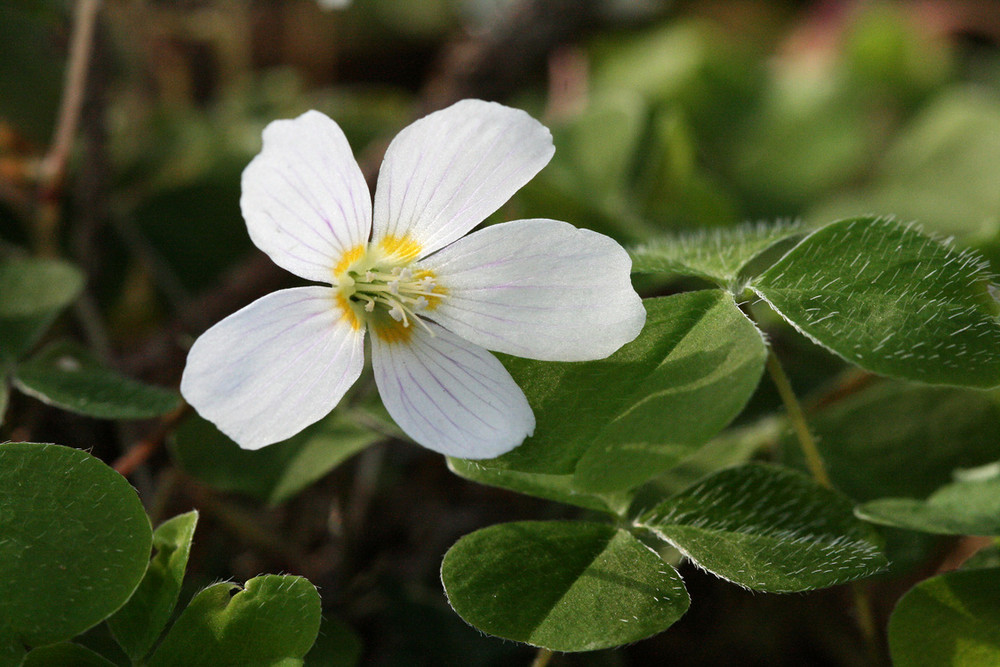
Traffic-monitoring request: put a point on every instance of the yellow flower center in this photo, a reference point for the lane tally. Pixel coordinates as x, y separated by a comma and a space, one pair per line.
378, 287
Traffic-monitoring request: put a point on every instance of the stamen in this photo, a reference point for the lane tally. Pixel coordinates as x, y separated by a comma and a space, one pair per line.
390, 287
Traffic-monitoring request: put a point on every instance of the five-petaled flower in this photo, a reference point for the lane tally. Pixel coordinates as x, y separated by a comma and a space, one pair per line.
433, 299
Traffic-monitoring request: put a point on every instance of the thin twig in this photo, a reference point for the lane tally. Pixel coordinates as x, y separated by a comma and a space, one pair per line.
52, 169
140, 452
54, 164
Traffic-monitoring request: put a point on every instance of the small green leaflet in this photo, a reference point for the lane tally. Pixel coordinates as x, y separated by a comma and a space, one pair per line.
566, 586
769, 529
968, 506
272, 620
138, 624
74, 543
717, 255
891, 300
952, 620
68, 376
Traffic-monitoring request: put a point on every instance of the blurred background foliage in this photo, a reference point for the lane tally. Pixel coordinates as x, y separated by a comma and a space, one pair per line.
667, 117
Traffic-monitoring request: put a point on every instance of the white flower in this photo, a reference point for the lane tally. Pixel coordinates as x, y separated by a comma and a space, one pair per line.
433, 301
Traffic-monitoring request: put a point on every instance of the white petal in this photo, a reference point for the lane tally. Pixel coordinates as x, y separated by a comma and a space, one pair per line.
269, 370
304, 198
540, 289
449, 395
446, 172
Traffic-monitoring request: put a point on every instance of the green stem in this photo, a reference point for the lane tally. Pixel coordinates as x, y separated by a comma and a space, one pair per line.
797, 419
814, 461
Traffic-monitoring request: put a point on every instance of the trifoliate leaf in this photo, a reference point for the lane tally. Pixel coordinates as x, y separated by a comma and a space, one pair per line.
567, 586
769, 529
891, 300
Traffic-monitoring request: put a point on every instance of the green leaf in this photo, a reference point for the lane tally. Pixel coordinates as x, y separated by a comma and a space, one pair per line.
32, 292
619, 421
65, 654
567, 586
74, 542
968, 506
896, 439
274, 619
274, 473
68, 376
701, 385
769, 529
891, 300
718, 255
138, 624
551, 487
952, 620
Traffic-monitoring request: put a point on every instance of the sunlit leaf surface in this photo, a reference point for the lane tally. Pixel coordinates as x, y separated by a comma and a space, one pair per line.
891, 300
567, 586
769, 529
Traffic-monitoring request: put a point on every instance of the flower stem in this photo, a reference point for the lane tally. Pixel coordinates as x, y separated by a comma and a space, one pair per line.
814, 461
798, 420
